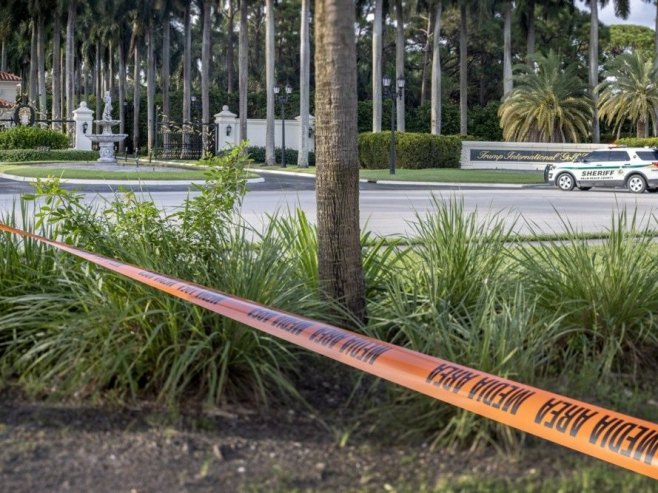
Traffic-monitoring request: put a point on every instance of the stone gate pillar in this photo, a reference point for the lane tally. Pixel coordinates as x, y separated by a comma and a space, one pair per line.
226, 126
83, 118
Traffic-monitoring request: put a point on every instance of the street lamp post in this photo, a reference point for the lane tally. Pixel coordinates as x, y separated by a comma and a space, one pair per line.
283, 99
392, 93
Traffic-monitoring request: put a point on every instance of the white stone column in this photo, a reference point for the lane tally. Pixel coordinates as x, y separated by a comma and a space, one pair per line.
227, 128
83, 118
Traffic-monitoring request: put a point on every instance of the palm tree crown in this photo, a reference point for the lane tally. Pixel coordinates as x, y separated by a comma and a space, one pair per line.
629, 92
549, 103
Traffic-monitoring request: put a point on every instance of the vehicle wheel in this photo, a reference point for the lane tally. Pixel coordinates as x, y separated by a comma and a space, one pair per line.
565, 182
636, 184
584, 189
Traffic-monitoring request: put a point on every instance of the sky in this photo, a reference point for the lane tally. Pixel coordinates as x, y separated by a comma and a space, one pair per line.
642, 13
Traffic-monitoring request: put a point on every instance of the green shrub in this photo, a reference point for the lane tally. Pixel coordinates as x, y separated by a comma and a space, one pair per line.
412, 150
32, 138
22, 155
258, 155
639, 141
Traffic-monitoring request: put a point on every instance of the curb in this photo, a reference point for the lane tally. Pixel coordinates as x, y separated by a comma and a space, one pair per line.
399, 182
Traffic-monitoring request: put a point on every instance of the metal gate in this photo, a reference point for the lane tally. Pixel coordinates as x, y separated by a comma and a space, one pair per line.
183, 141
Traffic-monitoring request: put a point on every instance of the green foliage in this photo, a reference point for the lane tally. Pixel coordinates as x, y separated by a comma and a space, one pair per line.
549, 104
26, 155
638, 141
629, 93
625, 38
412, 150
257, 154
22, 137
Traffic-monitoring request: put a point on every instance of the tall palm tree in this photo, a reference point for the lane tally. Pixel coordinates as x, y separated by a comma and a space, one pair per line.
187, 71
507, 7
435, 123
629, 92
56, 108
69, 59
549, 104
304, 84
463, 66
622, 9
205, 73
269, 82
377, 29
337, 196
399, 65
243, 67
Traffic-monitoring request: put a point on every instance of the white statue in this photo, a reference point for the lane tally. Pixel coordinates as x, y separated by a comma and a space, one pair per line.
107, 111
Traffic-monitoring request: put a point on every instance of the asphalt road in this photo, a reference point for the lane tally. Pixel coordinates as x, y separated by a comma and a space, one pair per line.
392, 209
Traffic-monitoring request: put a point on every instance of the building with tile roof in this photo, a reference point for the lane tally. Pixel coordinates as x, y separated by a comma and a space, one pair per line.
9, 90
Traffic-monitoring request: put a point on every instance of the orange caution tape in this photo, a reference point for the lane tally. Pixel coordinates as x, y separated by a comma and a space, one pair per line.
613, 437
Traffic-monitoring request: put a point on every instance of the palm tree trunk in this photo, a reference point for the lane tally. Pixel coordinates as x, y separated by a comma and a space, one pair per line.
187, 77
463, 71
243, 61
98, 90
150, 88
377, 66
230, 48
70, 102
270, 158
166, 111
3, 56
41, 67
33, 87
507, 49
304, 84
399, 65
436, 71
594, 67
136, 95
205, 76
426, 57
57, 72
122, 93
337, 195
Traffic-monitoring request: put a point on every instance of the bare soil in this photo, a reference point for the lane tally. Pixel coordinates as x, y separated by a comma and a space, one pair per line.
72, 447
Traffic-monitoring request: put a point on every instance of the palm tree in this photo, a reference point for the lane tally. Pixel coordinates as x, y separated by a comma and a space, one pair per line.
69, 59
629, 92
399, 65
270, 158
243, 67
507, 8
548, 104
337, 196
205, 73
622, 9
56, 109
435, 123
377, 28
304, 84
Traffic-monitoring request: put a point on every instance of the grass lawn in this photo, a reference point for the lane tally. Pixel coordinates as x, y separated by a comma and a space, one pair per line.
447, 175
72, 173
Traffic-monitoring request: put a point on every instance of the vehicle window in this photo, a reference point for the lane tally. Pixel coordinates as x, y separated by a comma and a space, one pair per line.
596, 156
651, 155
618, 156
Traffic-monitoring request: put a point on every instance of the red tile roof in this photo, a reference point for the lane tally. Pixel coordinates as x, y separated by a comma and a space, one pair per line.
6, 104
6, 76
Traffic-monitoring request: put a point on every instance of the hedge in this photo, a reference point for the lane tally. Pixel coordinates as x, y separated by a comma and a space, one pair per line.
32, 138
258, 155
639, 141
21, 155
412, 150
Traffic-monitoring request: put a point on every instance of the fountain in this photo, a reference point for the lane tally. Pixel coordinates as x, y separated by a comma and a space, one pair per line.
106, 139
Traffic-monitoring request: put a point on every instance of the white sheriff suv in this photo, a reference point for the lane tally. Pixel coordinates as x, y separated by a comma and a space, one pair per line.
634, 168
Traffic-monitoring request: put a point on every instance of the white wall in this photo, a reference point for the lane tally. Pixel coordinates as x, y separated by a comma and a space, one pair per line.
256, 129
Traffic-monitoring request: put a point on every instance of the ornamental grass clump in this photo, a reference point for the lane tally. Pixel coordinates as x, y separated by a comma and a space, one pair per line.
606, 292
